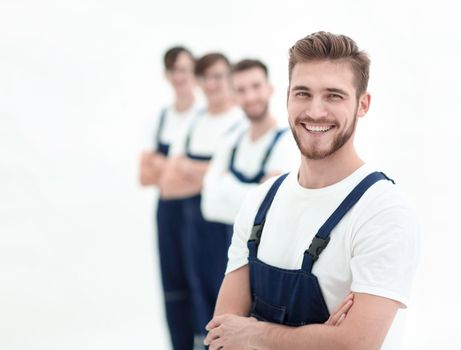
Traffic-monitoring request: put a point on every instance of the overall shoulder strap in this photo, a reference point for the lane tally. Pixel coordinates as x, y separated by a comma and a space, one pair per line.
322, 238
276, 138
264, 208
161, 124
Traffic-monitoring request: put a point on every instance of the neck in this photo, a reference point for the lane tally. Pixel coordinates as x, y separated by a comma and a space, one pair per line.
184, 102
220, 107
328, 171
260, 127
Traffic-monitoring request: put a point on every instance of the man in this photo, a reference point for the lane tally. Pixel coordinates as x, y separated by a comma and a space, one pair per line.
245, 159
206, 242
305, 240
179, 71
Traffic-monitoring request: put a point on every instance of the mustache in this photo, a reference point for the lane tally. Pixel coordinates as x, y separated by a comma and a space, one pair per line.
309, 120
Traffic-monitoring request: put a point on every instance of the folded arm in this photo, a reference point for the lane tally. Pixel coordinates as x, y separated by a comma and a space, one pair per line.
182, 177
151, 166
365, 327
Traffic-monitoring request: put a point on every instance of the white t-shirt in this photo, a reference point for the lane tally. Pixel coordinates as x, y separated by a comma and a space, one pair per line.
223, 193
207, 130
174, 126
374, 249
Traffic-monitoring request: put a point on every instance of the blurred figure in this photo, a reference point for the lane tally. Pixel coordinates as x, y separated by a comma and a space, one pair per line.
179, 71
207, 242
244, 160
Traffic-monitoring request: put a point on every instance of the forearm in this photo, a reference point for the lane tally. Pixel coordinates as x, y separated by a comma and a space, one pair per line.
234, 295
364, 328
311, 337
151, 168
194, 169
173, 185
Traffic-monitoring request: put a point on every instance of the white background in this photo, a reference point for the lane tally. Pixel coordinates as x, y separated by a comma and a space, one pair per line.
78, 81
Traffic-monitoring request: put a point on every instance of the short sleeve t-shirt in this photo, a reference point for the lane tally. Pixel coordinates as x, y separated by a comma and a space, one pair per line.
374, 248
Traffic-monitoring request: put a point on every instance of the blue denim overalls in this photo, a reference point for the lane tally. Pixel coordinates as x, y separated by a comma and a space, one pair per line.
294, 297
206, 255
262, 171
170, 229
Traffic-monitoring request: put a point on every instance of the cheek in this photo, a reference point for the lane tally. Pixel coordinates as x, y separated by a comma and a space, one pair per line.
293, 109
342, 111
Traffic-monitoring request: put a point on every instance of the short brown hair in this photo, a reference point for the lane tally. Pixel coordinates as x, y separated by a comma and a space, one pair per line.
246, 64
206, 61
328, 46
171, 55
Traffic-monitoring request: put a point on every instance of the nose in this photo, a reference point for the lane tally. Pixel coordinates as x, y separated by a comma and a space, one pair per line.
316, 108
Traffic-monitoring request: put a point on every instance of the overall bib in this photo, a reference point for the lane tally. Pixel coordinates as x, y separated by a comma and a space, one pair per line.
262, 170
176, 289
294, 297
206, 255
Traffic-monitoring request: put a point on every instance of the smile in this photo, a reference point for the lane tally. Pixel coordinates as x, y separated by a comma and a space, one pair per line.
317, 128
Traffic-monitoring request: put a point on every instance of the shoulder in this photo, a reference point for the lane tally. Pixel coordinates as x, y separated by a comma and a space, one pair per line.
384, 195
386, 211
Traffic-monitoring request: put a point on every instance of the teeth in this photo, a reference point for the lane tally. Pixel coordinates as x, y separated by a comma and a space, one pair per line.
318, 128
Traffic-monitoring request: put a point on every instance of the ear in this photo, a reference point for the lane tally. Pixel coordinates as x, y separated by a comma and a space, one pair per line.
364, 104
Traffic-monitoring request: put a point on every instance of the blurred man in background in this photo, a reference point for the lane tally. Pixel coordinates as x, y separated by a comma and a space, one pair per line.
246, 159
173, 120
207, 241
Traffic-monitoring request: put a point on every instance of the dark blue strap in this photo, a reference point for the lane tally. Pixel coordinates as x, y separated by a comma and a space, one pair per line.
163, 148
266, 203
239, 175
161, 124
348, 202
198, 157
260, 218
322, 238
277, 136
261, 173
207, 157
234, 151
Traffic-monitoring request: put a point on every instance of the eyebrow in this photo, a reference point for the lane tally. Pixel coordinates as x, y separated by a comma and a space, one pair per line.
300, 88
305, 88
339, 91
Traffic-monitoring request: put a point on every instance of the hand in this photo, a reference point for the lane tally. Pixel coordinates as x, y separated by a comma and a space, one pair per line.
230, 332
339, 314
146, 171
151, 165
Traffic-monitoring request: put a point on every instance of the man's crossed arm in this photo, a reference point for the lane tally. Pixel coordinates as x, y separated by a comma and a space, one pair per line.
365, 326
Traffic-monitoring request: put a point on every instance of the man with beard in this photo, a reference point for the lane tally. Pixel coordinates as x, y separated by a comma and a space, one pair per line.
304, 240
246, 159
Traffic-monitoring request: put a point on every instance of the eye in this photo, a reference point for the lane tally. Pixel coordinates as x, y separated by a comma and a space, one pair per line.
301, 94
334, 97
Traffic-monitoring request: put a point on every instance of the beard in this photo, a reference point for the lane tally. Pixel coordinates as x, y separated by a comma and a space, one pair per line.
255, 117
314, 152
